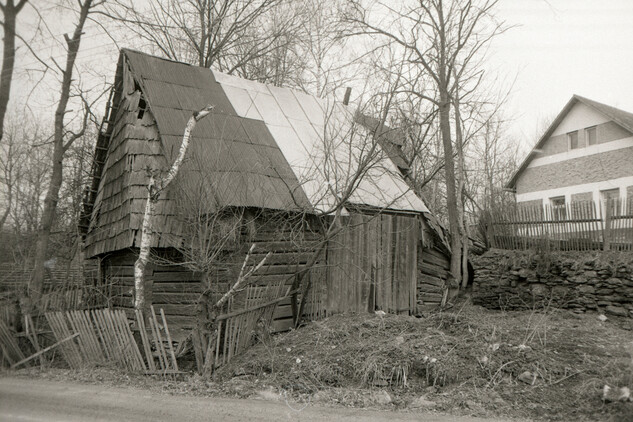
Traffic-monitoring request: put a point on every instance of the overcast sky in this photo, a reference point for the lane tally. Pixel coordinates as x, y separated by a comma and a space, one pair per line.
555, 48
560, 48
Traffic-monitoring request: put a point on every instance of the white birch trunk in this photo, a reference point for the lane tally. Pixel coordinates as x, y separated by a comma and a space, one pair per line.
153, 192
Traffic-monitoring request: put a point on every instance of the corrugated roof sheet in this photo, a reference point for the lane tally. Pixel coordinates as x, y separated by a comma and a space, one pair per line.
323, 145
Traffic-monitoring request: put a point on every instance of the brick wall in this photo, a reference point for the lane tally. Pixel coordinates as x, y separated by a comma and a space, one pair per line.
530, 204
592, 168
574, 280
585, 196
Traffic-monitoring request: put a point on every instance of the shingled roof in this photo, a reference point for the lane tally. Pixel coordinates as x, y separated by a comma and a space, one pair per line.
262, 146
621, 117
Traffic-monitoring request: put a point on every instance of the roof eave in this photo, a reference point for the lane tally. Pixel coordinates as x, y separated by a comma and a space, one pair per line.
550, 129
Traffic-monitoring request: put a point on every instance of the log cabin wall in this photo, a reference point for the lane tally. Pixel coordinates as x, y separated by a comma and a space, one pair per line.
176, 290
433, 271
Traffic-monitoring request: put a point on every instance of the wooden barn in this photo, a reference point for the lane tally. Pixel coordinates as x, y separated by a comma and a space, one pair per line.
270, 166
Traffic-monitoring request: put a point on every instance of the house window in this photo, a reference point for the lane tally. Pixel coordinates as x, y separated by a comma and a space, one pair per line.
559, 211
573, 139
609, 198
590, 134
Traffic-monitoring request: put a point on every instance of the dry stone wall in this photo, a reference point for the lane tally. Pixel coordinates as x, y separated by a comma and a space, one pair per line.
600, 281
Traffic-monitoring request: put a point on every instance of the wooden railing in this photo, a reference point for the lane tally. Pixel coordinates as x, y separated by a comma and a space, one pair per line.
576, 226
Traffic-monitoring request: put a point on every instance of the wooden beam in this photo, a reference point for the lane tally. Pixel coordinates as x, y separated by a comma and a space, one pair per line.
44, 350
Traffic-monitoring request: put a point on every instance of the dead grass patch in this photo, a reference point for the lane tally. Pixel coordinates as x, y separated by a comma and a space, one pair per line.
467, 361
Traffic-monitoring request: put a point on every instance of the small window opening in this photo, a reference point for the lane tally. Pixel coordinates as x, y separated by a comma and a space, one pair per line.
591, 135
142, 106
573, 140
559, 211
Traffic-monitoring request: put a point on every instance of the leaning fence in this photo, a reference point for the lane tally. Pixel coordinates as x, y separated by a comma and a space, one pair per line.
581, 226
249, 315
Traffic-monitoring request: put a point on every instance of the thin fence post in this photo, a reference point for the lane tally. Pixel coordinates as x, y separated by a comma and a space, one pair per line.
607, 226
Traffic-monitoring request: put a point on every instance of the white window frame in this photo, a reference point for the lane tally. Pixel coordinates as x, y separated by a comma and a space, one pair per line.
595, 131
569, 137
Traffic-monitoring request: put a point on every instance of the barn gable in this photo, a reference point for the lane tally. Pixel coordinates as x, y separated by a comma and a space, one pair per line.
262, 146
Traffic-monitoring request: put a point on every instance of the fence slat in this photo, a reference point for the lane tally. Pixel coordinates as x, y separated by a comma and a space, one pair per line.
577, 226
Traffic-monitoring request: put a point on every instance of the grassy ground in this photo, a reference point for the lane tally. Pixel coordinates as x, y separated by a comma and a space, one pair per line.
464, 361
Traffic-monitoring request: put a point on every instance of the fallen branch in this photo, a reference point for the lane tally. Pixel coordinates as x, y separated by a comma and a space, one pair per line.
566, 377
41, 352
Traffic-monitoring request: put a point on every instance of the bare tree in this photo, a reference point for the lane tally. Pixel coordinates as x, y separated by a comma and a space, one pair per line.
202, 32
444, 41
10, 12
63, 139
11, 160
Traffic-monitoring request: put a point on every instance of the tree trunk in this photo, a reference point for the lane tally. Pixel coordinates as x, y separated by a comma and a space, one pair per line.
59, 149
451, 196
153, 192
461, 186
10, 12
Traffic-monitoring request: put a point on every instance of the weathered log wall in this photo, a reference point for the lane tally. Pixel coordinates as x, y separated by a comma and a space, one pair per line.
433, 272
177, 290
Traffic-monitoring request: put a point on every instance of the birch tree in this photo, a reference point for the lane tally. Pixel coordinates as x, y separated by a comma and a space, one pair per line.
155, 186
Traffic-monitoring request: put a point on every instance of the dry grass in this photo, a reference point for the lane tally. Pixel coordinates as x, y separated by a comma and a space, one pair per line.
467, 361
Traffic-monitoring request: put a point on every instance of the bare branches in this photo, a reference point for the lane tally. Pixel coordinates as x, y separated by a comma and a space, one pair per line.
61, 143
243, 278
441, 41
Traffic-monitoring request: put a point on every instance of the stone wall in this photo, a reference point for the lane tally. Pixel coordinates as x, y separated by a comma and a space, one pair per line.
601, 281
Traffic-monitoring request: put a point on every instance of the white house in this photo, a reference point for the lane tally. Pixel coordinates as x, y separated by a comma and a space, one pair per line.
585, 154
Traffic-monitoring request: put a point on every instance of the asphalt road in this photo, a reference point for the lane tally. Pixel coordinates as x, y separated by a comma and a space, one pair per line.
39, 400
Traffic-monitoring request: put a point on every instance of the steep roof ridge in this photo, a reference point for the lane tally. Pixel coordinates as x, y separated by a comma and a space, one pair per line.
621, 117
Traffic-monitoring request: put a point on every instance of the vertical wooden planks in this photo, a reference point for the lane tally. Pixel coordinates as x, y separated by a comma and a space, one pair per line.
140, 323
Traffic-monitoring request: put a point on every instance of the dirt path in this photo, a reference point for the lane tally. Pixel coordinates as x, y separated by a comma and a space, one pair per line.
39, 400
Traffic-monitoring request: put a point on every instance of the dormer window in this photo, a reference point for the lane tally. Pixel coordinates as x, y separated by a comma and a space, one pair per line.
573, 139
590, 134
142, 106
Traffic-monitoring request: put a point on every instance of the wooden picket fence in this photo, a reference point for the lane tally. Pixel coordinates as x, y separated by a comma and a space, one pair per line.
249, 313
576, 226
10, 351
103, 336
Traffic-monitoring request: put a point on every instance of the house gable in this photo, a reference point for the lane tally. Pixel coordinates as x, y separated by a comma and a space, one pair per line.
582, 129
